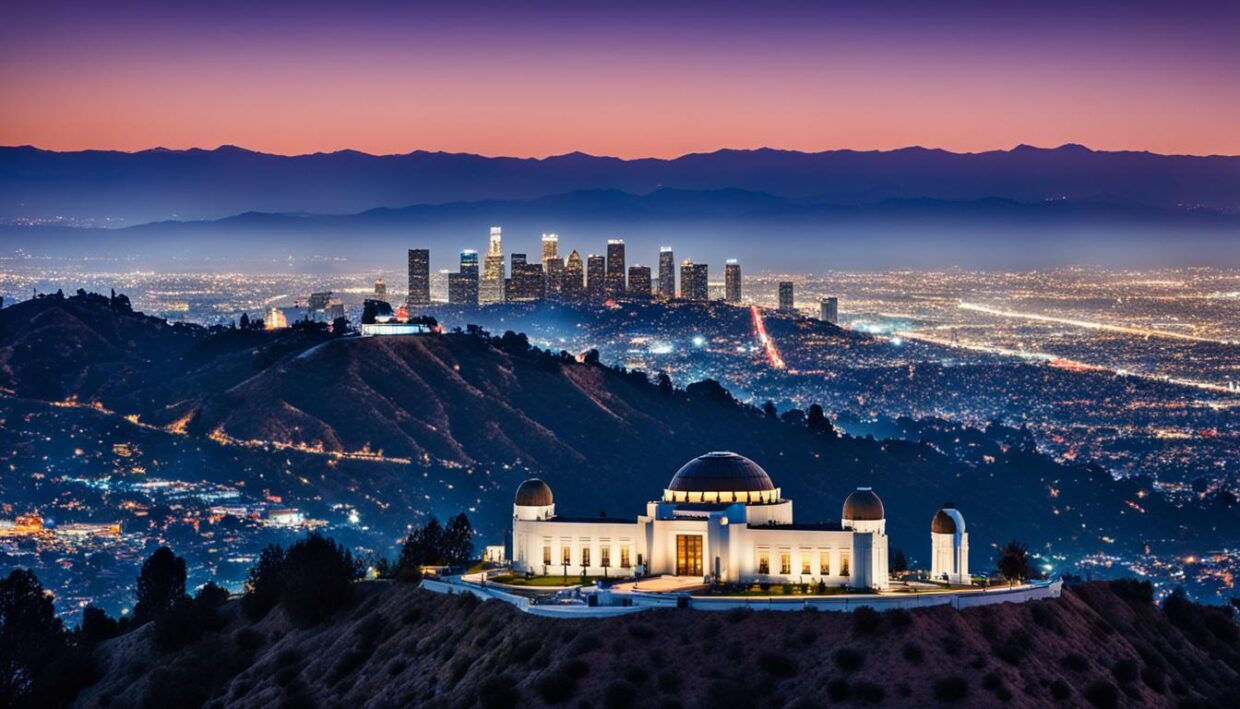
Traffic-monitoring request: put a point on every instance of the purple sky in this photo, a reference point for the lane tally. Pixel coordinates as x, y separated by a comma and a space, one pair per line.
627, 79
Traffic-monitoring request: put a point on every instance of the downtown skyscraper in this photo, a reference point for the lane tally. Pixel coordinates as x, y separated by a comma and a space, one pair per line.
667, 272
596, 275
615, 268
639, 282
572, 284
463, 285
419, 278
553, 265
732, 281
491, 285
786, 303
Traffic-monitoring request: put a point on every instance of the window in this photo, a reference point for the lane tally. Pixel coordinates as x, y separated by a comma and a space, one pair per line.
844, 563
604, 556
585, 556
764, 562
624, 558
547, 555
785, 563
824, 563
805, 569
567, 555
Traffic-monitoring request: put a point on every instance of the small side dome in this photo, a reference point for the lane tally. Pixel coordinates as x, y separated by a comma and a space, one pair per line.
947, 521
863, 505
534, 493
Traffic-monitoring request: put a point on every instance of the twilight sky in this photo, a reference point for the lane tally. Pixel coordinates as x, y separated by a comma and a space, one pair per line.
627, 79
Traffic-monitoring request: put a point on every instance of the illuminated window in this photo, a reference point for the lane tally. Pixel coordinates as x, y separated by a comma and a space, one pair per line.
805, 565
567, 555
547, 556
585, 556
844, 563
824, 563
785, 563
764, 562
624, 558
604, 556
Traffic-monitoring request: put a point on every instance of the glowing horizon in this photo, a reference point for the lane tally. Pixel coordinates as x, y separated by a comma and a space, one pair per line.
539, 80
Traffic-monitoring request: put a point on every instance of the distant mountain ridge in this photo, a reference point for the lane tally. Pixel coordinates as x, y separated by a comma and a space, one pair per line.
160, 184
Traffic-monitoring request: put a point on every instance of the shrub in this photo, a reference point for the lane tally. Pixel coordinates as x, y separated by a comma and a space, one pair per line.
498, 693
619, 695
1043, 616
849, 659
838, 689
1102, 694
97, 625
1125, 670
912, 652
994, 684
525, 649
777, 665
1060, 690
641, 631
1012, 652
1154, 679
866, 621
869, 692
211, 595
1075, 661
950, 689
899, 618
179, 625
574, 668
555, 687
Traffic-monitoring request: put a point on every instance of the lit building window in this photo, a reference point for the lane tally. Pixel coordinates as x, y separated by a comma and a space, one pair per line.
805, 565
824, 563
785, 563
604, 556
624, 558
764, 562
844, 563
547, 556
585, 556
567, 555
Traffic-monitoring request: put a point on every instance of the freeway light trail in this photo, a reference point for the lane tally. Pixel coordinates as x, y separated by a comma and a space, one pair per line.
759, 328
1122, 329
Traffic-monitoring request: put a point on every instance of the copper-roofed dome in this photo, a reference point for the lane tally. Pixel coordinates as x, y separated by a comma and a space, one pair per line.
863, 505
721, 472
947, 521
534, 493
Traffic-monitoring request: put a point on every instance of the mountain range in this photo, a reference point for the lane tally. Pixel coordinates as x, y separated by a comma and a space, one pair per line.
117, 188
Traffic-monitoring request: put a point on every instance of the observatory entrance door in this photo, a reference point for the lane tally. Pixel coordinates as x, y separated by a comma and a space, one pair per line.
688, 555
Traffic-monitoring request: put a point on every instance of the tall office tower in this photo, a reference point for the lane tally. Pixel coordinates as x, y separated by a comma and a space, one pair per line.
553, 269
785, 297
686, 279
596, 273
528, 283
732, 281
491, 284
701, 282
380, 289
463, 285
615, 267
829, 311
550, 247
320, 301
639, 282
419, 278
571, 283
667, 272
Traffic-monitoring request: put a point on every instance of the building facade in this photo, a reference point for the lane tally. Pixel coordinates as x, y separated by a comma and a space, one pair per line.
721, 518
732, 281
419, 278
463, 285
639, 282
829, 310
572, 285
491, 283
596, 276
786, 302
667, 272
615, 282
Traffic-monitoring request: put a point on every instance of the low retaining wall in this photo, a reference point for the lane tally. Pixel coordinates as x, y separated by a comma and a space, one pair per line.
650, 601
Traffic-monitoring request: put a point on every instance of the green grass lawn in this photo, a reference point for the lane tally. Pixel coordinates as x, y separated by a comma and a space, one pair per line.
546, 581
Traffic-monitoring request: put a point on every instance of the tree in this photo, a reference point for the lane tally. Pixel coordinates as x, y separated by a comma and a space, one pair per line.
318, 579
31, 636
160, 584
816, 421
1013, 562
97, 626
769, 410
664, 382
245, 321
265, 583
340, 326
898, 562
423, 547
795, 417
458, 540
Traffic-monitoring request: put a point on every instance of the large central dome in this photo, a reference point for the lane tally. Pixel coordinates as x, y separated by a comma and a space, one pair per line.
721, 477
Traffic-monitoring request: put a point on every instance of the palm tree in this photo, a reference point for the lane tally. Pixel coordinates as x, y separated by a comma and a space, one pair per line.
1013, 562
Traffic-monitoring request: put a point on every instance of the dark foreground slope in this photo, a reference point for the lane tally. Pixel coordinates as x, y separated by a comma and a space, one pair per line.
483, 413
1099, 644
